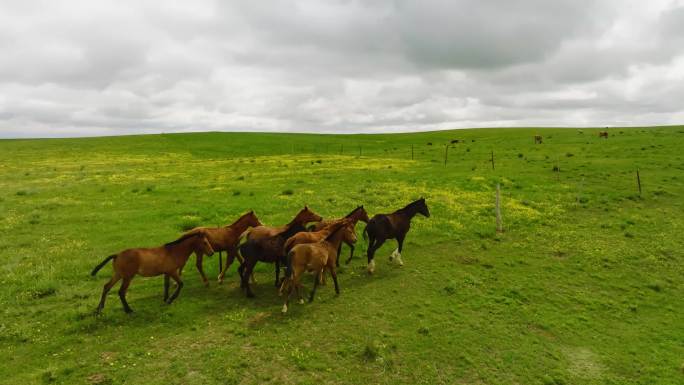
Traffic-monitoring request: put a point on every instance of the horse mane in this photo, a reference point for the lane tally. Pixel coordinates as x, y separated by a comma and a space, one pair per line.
353, 211
410, 205
243, 216
184, 237
342, 225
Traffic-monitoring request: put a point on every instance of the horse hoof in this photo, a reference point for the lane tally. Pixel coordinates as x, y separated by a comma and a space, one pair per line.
301, 301
284, 309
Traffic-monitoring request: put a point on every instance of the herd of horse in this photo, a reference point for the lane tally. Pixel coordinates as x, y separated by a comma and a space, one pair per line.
295, 246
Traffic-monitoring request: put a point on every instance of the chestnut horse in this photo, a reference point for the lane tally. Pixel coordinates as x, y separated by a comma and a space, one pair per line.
392, 226
149, 262
224, 239
303, 217
358, 214
265, 249
314, 257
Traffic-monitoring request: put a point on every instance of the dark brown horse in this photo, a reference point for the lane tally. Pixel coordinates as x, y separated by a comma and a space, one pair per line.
392, 226
603, 134
265, 249
303, 217
537, 139
358, 214
226, 239
149, 262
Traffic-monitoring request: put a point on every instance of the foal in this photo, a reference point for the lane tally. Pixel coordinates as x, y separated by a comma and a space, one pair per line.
358, 214
266, 249
224, 239
392, 226
149, 262
315, 257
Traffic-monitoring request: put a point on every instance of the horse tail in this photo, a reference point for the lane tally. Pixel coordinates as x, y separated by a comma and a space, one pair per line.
101, 265
288, 245
288, 269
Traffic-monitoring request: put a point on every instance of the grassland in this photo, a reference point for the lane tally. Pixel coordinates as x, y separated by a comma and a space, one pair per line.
583, 287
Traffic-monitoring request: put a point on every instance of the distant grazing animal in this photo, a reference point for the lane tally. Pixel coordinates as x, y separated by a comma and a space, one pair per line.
603, 134
149, 262
453, 141
429, 143
265, 249
224, 239
314, 257
392, 226
358, 214
303, 217
537, 139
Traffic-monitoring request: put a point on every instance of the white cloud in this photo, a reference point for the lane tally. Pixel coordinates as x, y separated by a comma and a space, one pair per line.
120, 67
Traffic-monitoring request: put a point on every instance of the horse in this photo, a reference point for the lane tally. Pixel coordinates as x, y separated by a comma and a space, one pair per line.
537, 139
303, 217
348, 237
265, 249
150, 262
315, 257
226, 239
391, 226
603, 134
358, 214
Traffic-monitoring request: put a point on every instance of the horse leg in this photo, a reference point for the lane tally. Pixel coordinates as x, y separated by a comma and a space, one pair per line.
400, 245
122, 294
179, 285
339, 251
166, 287
351, 255
333, 272
242, 260
313, 292
230, 257
105, 290
371, 254
221, 261
277, 271
198, 263
248, 269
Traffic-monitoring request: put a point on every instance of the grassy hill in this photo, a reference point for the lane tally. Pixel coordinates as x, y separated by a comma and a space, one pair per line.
583, 287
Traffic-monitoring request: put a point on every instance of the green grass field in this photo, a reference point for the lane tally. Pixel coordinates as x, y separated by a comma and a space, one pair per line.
583, 287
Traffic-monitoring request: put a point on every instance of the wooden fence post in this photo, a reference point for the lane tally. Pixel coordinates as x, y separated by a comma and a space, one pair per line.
492, 160
499, 225
638, 181
446, 154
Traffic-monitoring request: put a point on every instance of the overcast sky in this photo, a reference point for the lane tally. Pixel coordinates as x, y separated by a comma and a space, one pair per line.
72, 68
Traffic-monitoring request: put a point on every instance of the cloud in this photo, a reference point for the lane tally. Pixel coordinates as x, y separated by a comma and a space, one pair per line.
74, 68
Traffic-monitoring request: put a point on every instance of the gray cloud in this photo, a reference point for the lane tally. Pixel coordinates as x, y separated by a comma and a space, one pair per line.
100, 68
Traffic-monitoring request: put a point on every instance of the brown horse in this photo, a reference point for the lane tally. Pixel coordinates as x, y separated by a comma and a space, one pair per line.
265, 249
358, 214
224, 239
603, 134
314, 257
303, 217
392, 226
149, 262
537, 139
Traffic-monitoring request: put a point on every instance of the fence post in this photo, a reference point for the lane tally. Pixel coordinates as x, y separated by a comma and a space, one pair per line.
411, 152
492, 160
359, 150
499, 225
638, 181
446, 154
